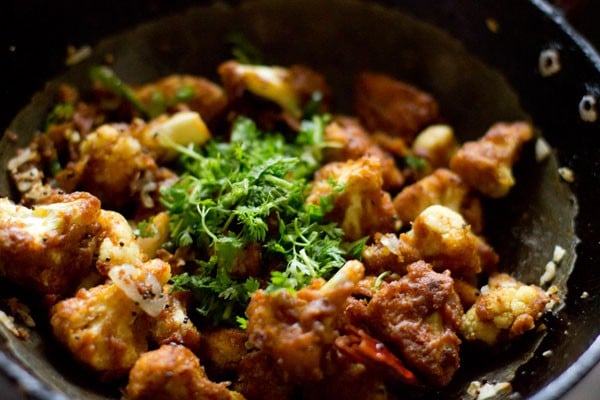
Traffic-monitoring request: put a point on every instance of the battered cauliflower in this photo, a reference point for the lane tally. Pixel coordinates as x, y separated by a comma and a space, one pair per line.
111, 162
49, 248
102, 328
298, 330
486, 164
397, 108
445, 188
351, 141
361, 207
118, 245
506, 309
419, 316
173, 325
441, 237
173, 372
180, 92
436, 144
290, 88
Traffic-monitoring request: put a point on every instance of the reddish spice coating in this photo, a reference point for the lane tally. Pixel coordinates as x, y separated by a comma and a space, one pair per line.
419, 315
205, 97
352, 141
363, 207
442, 187
486, 164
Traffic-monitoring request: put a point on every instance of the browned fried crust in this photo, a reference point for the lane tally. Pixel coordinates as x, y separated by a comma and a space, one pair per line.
419, 315
58, 263
397, 108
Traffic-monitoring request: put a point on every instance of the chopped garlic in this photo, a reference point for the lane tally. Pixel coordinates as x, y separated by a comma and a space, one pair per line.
549, 273
542, 149
567, 174
559, 254
490, 390
473, 389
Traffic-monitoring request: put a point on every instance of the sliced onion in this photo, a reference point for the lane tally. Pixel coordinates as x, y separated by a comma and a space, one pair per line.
131, 280
391, 242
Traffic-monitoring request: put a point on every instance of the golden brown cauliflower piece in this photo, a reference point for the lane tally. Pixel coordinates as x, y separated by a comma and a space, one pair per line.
113, 161
102, 328
298, 330
352, 141
184, 92
49, 248
223, 349
441, 237
173, 372
107, 327
173, 325
445, 188
419, 315
118, 245
290, 88
397, 108
260, 378
506, 308
436, 144
486, 164
362, 208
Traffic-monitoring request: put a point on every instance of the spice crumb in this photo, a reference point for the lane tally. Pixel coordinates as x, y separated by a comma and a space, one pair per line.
584, 295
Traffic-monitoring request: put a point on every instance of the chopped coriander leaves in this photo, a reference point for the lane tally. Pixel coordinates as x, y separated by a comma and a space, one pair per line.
251, 190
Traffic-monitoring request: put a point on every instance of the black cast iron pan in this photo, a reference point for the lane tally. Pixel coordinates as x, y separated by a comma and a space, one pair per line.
481, 59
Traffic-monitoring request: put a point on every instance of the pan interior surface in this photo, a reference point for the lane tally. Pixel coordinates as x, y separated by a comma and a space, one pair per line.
339, 39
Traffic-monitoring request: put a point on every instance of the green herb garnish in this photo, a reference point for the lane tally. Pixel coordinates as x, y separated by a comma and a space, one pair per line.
246, 191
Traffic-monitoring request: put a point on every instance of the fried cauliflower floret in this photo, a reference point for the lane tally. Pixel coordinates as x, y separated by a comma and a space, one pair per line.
436, 144
260, 378
486, 164
397, 108
419, 316
184, 92
107, 327
441, 237
351, 141
298, 330
173, 325
508, 308
49, 248
155, 235
173, 372
362, 207
223, 349
445, 188
290, 88
113, 161
118, 246
102, 328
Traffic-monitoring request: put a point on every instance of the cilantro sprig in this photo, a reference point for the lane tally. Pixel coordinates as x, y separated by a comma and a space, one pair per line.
251, 189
